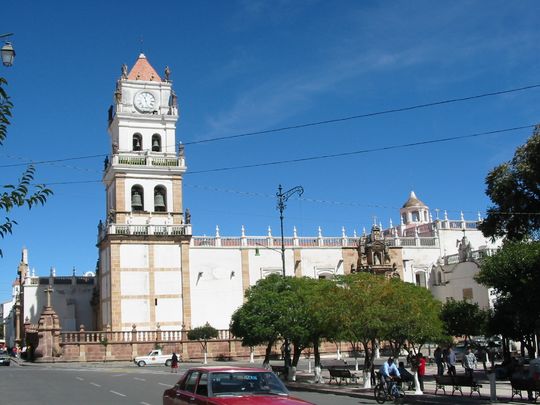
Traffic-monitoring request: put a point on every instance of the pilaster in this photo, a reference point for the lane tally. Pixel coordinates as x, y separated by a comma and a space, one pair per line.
186, 288
244, 255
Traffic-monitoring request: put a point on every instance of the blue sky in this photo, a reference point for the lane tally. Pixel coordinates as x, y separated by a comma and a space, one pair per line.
243, 66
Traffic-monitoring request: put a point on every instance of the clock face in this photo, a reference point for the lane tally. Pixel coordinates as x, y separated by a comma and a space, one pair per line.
145, 101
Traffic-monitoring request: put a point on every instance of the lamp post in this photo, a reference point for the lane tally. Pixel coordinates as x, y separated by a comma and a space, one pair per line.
282, 198
7, 52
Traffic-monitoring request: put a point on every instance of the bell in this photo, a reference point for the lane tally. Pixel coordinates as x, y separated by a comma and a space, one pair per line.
155, 145
136, 201
136, 144
159, 202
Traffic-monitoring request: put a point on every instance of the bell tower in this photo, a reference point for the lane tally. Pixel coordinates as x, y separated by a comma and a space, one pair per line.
144, 241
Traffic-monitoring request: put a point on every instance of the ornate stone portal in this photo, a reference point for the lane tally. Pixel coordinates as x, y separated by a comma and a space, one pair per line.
48, 333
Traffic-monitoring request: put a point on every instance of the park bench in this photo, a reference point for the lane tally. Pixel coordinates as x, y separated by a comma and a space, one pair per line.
281, 371
343, 374
456, 381
522, 384
328, 364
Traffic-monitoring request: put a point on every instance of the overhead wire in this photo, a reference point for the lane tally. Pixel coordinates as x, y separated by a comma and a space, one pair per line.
366, 115
310, 124
362, 151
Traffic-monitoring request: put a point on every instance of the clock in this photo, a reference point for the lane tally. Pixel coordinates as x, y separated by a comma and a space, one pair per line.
145, 101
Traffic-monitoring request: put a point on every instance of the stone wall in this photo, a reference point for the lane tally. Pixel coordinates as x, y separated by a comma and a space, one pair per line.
110, 346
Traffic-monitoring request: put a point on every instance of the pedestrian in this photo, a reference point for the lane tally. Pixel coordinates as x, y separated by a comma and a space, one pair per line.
469, 362
483, 357
437, 354
451, 361
421, 361
174, 363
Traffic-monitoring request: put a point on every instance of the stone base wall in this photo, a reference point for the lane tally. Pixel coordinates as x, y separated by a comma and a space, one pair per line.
230, 349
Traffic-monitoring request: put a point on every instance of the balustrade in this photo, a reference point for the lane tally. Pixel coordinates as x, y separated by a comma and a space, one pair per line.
132, 336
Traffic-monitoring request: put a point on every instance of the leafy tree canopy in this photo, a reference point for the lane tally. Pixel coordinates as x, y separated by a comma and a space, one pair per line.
204, 333
463, 318
513, 273
514, 188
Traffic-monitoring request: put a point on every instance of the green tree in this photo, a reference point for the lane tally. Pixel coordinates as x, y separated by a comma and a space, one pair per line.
260, 319
301, 310
463, 318
203, 334
24, 192
513, 273
412, 316
312, 315
362, 317
514, 188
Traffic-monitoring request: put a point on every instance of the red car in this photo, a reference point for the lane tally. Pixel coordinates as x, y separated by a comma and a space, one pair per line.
229, 385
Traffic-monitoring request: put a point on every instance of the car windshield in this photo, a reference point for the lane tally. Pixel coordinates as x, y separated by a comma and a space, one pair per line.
246, 383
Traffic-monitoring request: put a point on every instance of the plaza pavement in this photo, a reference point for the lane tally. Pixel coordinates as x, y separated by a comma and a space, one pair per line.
305, 382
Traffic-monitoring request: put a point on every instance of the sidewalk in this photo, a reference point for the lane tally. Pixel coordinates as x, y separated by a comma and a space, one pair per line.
305, 382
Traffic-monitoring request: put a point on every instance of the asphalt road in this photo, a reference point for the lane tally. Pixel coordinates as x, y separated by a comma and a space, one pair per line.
42, 384
125, 383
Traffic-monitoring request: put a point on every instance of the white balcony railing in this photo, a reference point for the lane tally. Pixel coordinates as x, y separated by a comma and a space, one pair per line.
156, 230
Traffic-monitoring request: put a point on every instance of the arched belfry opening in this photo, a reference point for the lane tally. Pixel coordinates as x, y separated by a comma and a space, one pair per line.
137, 198
156, 143
137, 142
160, 199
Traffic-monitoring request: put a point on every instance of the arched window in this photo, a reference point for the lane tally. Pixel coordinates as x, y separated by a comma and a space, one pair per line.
439, 278
156, 143
404, 218
137, 142
160, 199
415, 216
137, 198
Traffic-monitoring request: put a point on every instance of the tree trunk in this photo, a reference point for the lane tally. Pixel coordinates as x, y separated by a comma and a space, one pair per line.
316, 353
268, 352
297, 351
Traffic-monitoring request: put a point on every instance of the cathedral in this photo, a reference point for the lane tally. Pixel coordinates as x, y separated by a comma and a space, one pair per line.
153, 273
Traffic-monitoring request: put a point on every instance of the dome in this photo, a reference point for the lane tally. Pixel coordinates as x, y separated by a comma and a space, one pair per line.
413, 201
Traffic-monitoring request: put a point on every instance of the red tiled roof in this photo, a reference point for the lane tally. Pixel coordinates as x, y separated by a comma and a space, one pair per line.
142, 70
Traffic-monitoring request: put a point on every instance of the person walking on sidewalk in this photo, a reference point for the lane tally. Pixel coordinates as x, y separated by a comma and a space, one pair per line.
174, 363
438, 355
421, 361
451, 361
469, 362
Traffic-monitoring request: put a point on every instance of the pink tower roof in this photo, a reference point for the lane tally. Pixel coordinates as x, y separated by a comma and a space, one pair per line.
142, 70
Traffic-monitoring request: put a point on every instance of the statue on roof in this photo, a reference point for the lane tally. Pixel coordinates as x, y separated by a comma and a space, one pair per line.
167, 73
124, 71
464, 249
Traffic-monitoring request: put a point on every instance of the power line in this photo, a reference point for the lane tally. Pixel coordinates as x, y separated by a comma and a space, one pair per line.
362, 151
41, 162
366, 115
342, 154
310, 124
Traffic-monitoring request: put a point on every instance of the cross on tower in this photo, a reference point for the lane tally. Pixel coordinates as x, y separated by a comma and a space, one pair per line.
48, 291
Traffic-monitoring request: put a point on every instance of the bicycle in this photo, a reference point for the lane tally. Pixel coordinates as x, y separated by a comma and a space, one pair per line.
392, 392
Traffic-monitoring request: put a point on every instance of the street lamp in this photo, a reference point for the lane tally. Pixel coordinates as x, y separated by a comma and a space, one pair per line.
282, 198
7, 51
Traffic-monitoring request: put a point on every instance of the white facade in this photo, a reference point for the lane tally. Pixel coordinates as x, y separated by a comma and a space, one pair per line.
154, 273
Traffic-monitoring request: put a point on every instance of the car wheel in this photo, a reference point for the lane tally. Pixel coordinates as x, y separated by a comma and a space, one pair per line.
168, 363
141, 363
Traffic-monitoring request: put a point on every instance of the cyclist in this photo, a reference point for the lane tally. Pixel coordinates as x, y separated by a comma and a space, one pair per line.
389, 372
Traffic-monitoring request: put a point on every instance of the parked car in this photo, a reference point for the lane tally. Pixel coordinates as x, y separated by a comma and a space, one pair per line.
5, 360
229, 385
154, 357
